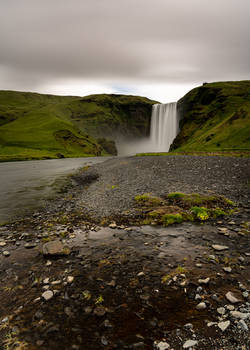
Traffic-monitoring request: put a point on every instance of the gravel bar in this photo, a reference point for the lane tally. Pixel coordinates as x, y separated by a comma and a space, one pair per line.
110, 187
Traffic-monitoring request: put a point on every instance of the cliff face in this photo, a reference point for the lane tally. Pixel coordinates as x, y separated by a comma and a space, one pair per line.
215, 116
37, 126
113, 116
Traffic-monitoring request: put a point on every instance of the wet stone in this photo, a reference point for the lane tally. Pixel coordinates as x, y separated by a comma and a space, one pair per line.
242, 324
240, 315
6, 253
161, 345
70, 279
55, 248
188, 326
245, 294
104, 341
231, 298
224, 325
189, 343
222, 229
30, 245
48, 295
107, 324
204, 281
219, 247
221, 310
100, 311
201, 306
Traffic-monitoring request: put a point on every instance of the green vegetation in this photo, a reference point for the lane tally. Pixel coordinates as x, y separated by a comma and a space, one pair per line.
36, 126
148, 200
169, 219
215, 117
189, 200
178, 271
245, 154
200, 213
177, 207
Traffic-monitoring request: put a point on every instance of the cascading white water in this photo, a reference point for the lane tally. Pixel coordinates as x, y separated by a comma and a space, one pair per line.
164, 126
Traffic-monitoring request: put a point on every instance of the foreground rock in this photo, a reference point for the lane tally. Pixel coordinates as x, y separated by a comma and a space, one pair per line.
55, 248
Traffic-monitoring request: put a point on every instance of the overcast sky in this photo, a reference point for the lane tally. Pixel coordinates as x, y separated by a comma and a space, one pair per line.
155, 48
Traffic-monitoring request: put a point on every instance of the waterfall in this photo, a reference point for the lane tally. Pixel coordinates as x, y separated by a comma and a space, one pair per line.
164, 126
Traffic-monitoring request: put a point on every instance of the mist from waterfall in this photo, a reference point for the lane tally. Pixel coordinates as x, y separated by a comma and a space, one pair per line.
164, 126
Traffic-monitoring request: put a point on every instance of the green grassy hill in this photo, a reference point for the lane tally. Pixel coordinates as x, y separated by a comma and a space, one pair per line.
215, 116
36, 126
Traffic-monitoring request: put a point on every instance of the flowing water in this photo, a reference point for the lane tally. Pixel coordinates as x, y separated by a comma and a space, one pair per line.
163, 130
25, 185
164, 126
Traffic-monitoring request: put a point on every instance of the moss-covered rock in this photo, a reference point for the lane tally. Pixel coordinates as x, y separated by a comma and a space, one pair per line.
177, 207
215, 116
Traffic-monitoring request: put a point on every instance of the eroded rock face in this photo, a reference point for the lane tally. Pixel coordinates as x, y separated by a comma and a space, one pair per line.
55, 248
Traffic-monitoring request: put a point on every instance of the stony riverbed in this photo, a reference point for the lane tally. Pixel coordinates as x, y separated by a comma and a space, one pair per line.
70, 283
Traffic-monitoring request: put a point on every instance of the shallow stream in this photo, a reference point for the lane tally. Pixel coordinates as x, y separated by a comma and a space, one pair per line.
25, 185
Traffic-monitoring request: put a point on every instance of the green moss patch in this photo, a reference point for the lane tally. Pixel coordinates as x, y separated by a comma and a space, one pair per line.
176, 207
169, 219
147, 200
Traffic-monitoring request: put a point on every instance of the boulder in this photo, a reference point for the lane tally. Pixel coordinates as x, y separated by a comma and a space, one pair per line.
55, 248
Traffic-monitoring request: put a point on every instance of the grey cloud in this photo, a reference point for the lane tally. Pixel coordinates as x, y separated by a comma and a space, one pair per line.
143, 40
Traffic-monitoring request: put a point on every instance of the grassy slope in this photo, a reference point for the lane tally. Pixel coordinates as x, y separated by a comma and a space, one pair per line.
36, 126
215, 116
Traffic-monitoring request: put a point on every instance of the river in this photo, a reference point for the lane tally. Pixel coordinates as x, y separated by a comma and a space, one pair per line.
25, 185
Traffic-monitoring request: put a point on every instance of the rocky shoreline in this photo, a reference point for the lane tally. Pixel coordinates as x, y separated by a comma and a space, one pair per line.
70, 282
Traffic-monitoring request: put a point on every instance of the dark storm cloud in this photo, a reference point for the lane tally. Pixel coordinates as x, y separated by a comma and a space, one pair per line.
175, 41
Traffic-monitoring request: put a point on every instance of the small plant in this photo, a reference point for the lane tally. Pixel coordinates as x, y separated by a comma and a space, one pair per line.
147, 200
229, 202
169, 219
99, 300
215, 213
180, 269
86, 295
155, 214
176, 195
200, 213
165, 278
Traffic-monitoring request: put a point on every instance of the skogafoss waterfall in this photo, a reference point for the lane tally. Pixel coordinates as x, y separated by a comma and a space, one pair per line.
163, 130
164, 126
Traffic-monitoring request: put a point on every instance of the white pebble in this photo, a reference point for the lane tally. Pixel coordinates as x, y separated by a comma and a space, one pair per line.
48, 295
224, 325
189, 344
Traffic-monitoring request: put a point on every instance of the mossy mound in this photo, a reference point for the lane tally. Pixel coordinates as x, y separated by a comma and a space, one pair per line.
215, 117
177, 207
